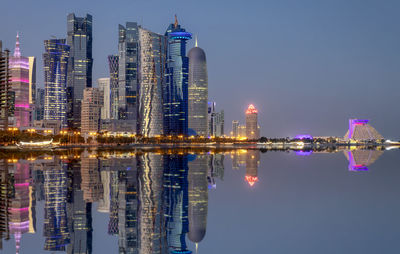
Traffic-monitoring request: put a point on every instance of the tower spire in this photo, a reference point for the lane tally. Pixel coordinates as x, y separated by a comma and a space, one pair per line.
196, 44
176, 21
17, 51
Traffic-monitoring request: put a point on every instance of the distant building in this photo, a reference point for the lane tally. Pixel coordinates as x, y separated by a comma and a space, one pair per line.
91, 108
128, 44
19, 70
175, 93
6, 98
198, 92
80, 65
152, 56
113, 68
252, 131
360, 130
235, 128
32, 80
39, 104
55, 64
216, 121
104, 87
242, 131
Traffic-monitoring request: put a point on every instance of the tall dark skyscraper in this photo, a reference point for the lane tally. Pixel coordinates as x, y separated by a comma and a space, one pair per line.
152, 56
79, 31
175, 93
113, 64
6, 102
55, 61
198, 92
128, 72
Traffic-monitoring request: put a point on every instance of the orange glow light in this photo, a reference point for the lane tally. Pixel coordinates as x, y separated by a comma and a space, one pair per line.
251, 110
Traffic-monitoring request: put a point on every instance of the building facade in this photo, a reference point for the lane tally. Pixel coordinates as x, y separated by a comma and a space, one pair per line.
79, 38
91, 110
19, 70
216, 121
252, 131
113, 68
128, 43
198, 92
105, 90
152, 56
39, 104
55, 64
235, 128
6, 98
175, 93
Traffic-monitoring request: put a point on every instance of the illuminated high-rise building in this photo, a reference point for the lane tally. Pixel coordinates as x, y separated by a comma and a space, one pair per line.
252, 131
55, 80
105, 90
32, 80
128, 41
113, 64
152, 56
91, 109
198, 92
79, 38
6, 98
216, 120
19, 69
175, 95
39, 104
176, 202
198, 197
235, 128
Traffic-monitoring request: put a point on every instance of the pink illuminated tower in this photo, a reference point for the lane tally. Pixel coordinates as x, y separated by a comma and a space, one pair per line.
19, 69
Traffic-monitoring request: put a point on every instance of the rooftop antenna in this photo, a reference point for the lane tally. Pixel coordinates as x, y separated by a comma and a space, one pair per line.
176, 21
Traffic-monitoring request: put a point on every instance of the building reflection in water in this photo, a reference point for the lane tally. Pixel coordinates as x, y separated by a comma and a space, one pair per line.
198, 197
250, 159
359, 160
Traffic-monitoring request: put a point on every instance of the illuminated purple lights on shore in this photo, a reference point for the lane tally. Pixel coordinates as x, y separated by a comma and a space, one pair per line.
304, 136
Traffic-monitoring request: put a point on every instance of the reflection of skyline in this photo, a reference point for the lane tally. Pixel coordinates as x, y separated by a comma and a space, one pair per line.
156, 203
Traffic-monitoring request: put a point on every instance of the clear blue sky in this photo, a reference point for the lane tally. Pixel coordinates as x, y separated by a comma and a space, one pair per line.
307, 65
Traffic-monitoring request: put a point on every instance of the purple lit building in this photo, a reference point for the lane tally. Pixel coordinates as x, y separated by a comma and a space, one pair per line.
19, 69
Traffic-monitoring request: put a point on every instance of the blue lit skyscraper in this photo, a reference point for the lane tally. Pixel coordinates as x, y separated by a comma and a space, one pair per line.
55, 61
175, 92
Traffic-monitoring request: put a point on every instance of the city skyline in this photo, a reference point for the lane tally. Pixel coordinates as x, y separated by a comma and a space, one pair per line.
290, 68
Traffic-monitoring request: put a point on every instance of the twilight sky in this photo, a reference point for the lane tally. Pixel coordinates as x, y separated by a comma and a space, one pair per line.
307, 65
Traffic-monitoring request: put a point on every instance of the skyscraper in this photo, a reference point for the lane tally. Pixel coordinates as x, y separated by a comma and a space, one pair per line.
105, 91
39, 104
175, 93
128, 72
55, 61
114, 99
32, 80
216, 121
6, 102
252, 131
79, 31
19, 69
198, 92
235, 128
152, 56
91, 108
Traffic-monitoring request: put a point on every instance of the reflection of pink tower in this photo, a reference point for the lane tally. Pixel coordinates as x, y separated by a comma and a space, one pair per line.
252, 161
19, 208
